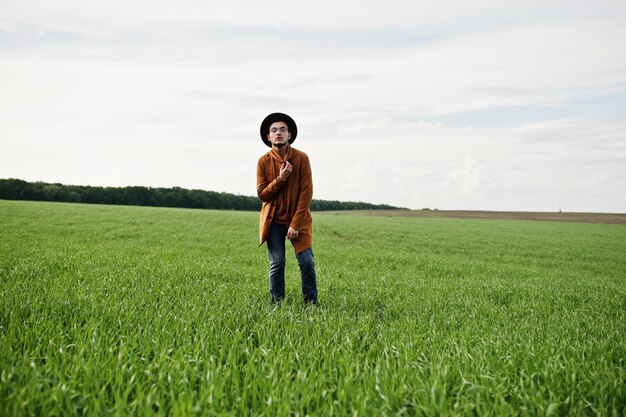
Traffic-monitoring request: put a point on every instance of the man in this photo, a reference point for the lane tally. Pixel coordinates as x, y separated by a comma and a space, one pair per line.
285, 186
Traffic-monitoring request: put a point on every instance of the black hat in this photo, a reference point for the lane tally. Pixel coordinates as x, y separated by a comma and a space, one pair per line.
278, 117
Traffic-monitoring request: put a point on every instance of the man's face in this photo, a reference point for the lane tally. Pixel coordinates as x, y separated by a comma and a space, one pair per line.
279, 134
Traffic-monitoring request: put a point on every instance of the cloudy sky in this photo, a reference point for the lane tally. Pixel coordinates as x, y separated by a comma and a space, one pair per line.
486, 105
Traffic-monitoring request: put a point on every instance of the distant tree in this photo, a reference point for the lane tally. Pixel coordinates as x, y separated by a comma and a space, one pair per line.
16, 189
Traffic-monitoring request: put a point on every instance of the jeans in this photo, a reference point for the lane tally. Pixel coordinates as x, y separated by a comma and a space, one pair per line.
276, 252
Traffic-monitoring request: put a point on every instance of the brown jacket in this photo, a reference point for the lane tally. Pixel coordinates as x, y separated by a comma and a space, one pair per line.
299, 189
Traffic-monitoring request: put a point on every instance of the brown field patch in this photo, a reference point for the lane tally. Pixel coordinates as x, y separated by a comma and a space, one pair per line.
608, 218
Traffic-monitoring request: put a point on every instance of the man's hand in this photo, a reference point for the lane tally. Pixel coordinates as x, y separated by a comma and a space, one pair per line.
292, 233
285, 171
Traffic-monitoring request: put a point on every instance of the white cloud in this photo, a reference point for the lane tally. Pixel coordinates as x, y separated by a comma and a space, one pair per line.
430, 165
465, 179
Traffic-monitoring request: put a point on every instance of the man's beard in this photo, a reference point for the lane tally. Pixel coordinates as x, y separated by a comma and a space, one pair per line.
280, 145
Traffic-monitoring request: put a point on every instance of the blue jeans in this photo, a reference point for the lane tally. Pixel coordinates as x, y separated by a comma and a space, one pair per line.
276, 252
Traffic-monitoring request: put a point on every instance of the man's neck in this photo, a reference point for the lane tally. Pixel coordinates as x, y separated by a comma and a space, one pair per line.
282, 150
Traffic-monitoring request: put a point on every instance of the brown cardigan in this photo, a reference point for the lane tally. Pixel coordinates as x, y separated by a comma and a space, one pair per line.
299, 189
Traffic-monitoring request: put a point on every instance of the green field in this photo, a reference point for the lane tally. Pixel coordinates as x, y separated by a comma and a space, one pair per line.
122, 311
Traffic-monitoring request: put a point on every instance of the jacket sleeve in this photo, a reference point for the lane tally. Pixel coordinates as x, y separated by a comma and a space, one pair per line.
305, 195
266, 188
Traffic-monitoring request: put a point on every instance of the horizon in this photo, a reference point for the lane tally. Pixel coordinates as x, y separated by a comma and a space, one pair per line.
392, 208
454, 106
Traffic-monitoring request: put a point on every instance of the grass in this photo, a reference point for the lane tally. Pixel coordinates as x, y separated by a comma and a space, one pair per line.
121, 311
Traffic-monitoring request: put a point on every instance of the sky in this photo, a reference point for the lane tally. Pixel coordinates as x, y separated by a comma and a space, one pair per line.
449, 105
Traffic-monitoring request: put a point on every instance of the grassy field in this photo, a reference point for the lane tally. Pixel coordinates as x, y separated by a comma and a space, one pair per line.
124, 311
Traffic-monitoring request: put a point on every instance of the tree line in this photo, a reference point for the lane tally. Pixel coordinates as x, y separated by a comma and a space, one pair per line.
16, 189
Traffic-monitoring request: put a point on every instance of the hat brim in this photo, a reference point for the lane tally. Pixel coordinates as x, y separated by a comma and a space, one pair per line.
278, 117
